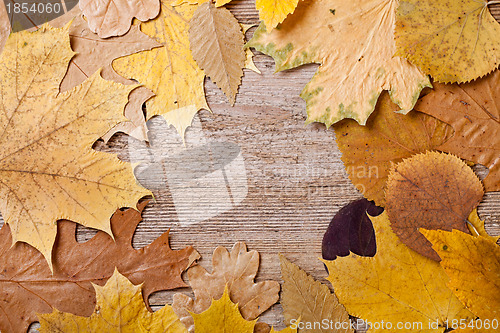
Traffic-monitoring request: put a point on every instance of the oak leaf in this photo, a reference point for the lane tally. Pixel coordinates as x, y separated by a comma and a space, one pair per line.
110, 18
169, 71
354, 43
473, 266
396, 285
452, 40
309, 301
369, 151
27, 285
119, 308
433, 191
236, 269
48, 169
351, 231
473, 110
216, 42
274, 12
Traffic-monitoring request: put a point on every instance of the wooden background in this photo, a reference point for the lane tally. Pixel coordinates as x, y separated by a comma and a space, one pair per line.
296, 180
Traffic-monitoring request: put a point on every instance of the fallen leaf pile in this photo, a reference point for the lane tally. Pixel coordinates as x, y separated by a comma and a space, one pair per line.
411, 88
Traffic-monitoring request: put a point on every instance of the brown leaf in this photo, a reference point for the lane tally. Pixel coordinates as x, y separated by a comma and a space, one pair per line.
216, 42
431, 191
237, 269
369, 151
28, 287
110, 18
473, 110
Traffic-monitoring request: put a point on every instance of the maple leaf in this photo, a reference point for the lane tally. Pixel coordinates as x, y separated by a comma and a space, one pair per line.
396, 285
110, 18
119, 308
473, 266
369, 151
434, 191
274, 12
27, 285
237, 270
453, 41
353, 41
351, 231
169, 71
48, 170
216, 42
311, 301
473, 110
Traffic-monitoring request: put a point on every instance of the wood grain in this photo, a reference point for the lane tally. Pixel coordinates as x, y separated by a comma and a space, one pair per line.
296, 180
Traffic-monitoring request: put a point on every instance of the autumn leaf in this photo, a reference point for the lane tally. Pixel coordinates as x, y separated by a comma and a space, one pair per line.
476, 226
110, 18
48, 169
351, 231
353, 41
216, 42
237, 269
453, 41
274, 12
433, 191
27, 285
169, 71
473, 266
368, 152
473, 110
119, 308
396, 285
311, 301
4, 25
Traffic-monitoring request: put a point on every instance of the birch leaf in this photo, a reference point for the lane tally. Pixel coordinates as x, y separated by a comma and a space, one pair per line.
110, 18
274, 12
119, 308
452, 40
433, 191
216, 42
311, 301
396, 285
48, 170
169, 71
237, 269
353, 42
473, 110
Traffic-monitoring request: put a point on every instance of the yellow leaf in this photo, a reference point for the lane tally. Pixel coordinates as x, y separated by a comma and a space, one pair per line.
476, 226
396, 285
273, 12
169, 71
48, 169
309, 301
473, 266
452, 40
119, 308
354, 43
219, 3
285, 330
222, 316
216, 42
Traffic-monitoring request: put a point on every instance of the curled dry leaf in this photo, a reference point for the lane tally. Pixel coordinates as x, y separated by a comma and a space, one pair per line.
274, 12
473, 110
110, 18
311, 301
396, 285
119, 308
216, 42
169, 71
368, 152
473, 266
354, 43
452, 40
351, 231
237, 270
48, 169
433, 191
27, 285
